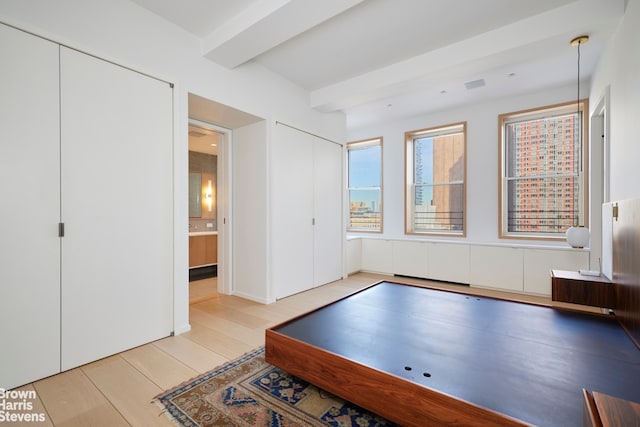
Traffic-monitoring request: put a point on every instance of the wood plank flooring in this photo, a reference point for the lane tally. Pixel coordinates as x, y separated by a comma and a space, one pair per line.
118, 390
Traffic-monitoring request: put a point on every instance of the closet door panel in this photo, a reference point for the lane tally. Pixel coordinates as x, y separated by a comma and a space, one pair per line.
29, 208
327, 212
117, 205
292, 208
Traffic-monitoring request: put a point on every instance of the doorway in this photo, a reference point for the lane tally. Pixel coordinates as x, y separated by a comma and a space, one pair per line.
223, 120
207, 199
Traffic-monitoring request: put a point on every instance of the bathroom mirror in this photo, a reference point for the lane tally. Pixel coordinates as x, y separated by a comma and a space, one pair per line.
195, 194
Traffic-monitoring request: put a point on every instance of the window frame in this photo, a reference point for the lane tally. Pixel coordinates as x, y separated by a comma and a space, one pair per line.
358, 145
410, 137
560, 109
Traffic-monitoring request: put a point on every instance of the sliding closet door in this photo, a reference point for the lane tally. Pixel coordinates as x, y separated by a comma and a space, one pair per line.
292, 219
327, 237
117, 203
306, 198
29, 208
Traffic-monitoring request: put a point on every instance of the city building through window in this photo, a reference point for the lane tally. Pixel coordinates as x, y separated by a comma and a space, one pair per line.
365, 185
543, 184
435, 166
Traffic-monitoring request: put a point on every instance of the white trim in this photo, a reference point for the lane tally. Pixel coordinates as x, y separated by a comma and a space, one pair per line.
599, 168
223, 206
182, 329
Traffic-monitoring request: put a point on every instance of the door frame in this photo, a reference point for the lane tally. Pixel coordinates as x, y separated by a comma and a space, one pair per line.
599, 142
224, 204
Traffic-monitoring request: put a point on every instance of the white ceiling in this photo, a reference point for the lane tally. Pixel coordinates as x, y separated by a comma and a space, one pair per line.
393, 58
203, 140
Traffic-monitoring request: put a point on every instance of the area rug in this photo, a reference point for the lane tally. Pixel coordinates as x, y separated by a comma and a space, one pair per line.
250, 392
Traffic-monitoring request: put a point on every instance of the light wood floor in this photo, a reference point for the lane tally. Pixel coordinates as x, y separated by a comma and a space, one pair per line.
118, 390
202, 290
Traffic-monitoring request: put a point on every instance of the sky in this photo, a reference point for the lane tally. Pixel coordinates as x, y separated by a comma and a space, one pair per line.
364, 169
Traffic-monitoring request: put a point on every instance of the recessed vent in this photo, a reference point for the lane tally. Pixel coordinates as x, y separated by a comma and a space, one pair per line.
474, 84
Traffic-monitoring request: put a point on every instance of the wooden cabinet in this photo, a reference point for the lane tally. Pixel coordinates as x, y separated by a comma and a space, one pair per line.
573, 287
203, 250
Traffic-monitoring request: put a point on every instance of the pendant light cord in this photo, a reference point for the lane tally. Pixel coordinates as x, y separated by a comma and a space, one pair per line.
577, 42
578, 98
578, 113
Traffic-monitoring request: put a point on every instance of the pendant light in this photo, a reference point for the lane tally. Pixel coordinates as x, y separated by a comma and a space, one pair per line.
578, 235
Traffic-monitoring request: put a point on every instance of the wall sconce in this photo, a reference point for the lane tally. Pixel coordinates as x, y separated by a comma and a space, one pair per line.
209, 196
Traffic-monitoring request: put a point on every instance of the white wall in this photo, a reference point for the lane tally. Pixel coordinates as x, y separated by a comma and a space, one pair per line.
128, 34
619, 69
482, 160
617, 73
617, 77
249, 223
123, 32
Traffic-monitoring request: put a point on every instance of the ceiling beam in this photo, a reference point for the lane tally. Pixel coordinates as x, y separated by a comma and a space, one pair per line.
267, 24
405, 76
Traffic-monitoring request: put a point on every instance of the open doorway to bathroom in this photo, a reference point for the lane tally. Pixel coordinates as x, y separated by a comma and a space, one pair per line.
205, 143
226, 121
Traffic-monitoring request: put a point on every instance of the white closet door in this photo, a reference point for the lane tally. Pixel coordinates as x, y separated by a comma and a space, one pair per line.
29, 208
117, 204
327, 238
292, 208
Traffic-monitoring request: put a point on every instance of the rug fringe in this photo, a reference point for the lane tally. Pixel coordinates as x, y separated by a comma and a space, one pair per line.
164, 411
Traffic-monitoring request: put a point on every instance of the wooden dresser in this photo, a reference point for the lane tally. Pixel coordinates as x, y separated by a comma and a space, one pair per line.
576, 288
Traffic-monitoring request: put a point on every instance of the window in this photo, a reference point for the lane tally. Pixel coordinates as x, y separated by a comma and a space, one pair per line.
365, 189
435, 166
552, 135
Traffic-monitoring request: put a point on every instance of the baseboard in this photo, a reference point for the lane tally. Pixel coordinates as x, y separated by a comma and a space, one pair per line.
182, 329
251, 297
205, 272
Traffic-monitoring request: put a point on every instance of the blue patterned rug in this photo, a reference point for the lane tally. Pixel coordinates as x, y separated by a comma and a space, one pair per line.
250, 392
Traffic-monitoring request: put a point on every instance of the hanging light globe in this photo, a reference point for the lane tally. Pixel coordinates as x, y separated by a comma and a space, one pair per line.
578, 236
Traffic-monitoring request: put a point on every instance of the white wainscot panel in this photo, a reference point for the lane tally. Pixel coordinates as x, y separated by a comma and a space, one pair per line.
449, 262
377, 256
410, 258
496, 267
354, 255
539, 262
